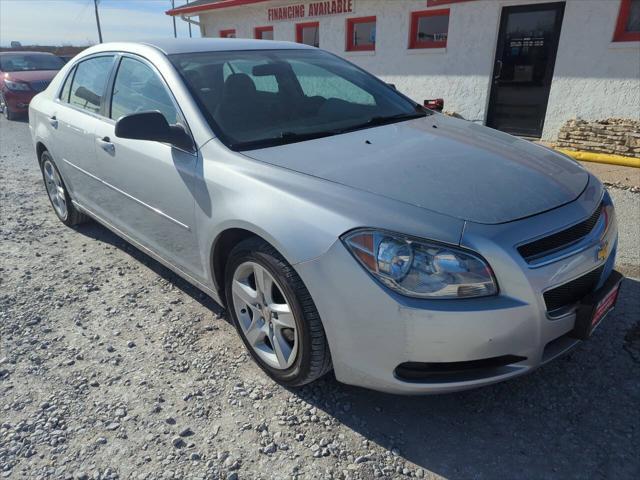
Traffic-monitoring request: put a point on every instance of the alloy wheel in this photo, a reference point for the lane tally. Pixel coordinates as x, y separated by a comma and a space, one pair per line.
265, 315
55, 189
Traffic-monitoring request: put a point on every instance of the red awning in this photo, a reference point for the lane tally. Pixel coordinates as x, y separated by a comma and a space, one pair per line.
213, 5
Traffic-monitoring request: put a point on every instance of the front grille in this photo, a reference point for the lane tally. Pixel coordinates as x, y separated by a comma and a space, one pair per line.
40, 85
455, 371
560, 240
572, 292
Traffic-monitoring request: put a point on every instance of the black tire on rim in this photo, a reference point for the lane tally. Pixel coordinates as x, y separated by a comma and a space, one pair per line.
280, 326
58, 194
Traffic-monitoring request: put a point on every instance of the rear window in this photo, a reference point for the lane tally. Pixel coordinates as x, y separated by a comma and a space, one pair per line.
29, 62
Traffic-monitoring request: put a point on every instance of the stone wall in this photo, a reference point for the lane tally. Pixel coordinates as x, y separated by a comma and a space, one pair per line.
615, 135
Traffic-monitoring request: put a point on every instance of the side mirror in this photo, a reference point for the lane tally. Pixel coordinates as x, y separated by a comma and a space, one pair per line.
154, 127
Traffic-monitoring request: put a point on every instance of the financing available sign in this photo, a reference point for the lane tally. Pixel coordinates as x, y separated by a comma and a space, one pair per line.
311, 10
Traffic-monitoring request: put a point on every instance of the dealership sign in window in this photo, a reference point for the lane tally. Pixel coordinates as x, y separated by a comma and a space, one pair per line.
311, 10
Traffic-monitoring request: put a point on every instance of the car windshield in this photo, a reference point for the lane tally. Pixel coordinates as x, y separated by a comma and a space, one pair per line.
24, 63
262, 98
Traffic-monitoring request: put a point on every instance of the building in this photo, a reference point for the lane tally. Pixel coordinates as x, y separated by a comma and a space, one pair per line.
522, 66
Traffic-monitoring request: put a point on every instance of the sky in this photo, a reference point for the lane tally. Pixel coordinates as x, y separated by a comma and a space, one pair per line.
72, 22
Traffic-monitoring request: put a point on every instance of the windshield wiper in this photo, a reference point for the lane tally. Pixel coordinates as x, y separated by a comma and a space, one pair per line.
385, 120
283, 138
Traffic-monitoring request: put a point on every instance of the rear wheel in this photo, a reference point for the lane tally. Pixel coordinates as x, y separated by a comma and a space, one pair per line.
275, 315
58, 195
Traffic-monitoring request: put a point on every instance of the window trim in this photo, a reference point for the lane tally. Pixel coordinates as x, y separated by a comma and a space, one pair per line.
68, 78
302, 26
259, 30
351, 23
74, 70
414, 43
223, 33
620, 34
112, 81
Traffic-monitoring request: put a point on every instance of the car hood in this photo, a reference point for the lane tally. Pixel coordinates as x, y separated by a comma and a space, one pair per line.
31, 75
446, 165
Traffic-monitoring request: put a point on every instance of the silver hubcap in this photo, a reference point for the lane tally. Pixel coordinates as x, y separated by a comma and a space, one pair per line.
265, 315
55, 189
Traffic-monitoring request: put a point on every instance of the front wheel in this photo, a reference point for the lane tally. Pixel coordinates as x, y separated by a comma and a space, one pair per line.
275, 315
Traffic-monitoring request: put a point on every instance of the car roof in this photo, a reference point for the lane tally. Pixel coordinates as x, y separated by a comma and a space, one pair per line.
171, 46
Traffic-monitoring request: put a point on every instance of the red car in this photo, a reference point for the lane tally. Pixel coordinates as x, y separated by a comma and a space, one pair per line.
22, 76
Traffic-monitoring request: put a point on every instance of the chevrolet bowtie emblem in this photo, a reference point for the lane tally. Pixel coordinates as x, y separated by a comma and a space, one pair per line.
603, 251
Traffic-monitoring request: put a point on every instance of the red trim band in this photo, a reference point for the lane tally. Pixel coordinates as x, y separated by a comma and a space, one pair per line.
211, 6
621, 34
435, 3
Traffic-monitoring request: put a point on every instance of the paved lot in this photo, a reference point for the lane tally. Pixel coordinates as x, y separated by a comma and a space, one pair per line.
111, 367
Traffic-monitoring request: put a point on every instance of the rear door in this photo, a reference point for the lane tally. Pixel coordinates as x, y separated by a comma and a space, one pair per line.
148, 189
74, 117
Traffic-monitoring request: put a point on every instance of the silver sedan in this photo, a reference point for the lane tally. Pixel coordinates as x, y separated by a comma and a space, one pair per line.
344, 226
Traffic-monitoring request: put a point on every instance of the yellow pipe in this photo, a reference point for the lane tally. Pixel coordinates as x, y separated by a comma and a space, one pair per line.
602, 158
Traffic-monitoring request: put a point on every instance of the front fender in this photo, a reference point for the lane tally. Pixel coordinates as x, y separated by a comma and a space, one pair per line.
300, 215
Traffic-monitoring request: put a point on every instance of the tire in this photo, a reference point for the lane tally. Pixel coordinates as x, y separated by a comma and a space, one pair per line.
312, 357
57, 192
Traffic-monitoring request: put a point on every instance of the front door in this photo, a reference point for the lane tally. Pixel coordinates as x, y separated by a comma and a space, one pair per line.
148, 186
525, 58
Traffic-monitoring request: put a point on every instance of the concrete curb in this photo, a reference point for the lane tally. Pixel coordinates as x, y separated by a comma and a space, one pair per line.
602, 158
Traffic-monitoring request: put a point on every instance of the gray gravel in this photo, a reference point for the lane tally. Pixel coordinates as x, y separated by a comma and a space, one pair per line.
112, 367
627, 205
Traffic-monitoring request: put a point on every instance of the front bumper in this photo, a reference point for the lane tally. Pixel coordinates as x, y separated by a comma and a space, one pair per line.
17, 102
372, 330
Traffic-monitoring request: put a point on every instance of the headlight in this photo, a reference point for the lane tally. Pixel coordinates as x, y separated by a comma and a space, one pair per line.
17, 86
419, 268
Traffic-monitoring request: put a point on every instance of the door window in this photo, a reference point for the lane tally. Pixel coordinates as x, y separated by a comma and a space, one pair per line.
89, 83
138, 88
66, 89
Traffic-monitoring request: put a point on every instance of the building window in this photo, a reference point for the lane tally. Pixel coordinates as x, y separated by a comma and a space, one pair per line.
628, 26
361, 34
231, 33
263, 33
429, 29
308, 33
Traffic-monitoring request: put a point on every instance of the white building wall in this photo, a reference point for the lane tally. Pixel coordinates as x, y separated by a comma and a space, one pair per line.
594, 78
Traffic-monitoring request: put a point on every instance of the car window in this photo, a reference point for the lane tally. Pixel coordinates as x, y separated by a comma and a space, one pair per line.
263, 84
318, 82
66, 89
89, 83
261, 98
138, 88
29, 62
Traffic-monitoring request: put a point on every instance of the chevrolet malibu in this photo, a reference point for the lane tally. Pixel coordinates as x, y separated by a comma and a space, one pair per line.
343, 225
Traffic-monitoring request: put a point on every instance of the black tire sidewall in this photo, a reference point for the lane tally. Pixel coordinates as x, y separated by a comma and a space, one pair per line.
295, 374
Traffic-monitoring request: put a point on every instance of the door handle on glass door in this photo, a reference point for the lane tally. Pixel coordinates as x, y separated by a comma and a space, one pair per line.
106, 145
498, 70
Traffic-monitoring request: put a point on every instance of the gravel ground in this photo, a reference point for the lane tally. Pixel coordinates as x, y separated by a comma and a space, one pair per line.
112, 367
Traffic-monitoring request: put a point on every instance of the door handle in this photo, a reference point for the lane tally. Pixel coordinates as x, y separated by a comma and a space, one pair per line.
498, 72
53, 121
106, 145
